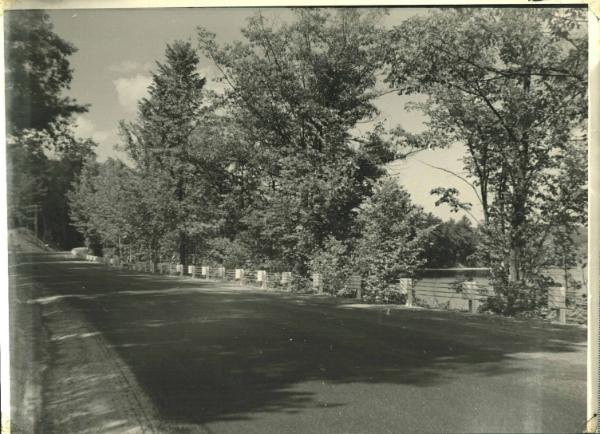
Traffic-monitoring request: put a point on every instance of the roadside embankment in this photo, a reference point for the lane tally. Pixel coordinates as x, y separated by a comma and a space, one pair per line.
28, 357
65, 377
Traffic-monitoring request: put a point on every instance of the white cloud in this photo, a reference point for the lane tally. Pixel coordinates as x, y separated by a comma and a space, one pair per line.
129, 66
131, 89
84, 128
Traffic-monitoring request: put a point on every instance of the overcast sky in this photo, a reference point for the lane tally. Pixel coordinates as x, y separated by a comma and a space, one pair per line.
118, 50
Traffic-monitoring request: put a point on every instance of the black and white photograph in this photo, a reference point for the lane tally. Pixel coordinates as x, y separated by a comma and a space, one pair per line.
319, 218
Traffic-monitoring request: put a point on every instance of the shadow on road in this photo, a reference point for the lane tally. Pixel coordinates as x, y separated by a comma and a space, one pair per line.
204, 353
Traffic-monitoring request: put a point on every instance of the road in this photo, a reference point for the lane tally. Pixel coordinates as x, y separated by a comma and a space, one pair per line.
198, 356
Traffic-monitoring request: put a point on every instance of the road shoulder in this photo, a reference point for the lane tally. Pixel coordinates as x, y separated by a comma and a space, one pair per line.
87, 387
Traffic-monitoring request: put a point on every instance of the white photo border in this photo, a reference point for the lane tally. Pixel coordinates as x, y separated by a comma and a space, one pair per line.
593, 151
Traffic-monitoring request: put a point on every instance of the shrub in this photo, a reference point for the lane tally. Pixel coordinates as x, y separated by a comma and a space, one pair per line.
300, 284
232, 254
519, 298
393, 233
378, 292
333, 262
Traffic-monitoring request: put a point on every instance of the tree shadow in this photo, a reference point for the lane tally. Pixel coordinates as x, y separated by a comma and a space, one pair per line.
204, 353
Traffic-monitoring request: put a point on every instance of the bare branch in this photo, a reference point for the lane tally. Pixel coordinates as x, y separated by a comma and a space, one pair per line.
463, 179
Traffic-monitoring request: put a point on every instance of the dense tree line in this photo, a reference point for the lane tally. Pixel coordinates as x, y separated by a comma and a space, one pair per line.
274, 173
43, 156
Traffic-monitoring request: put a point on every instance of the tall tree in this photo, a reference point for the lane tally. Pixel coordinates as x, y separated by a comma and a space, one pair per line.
298, 91
43, 157
509, 84
37, 72
161, 142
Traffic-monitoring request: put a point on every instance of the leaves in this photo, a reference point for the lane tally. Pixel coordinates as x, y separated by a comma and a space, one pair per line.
514, 94
173, 154
37, 72
449, 196
393, 232
452, 244
296, 92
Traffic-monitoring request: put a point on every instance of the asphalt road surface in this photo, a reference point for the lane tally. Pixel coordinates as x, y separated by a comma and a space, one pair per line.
208, 357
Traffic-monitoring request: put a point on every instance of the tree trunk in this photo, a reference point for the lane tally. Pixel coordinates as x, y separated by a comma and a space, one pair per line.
565, 271
485, 205
182, 236
154, 254
182, 248
513, 265
517, 244
519, 204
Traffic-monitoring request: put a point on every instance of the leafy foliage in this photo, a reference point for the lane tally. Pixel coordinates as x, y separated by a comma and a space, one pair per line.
334, 263
166, 145
276, 173
519, 298
27, 177
117, 210
452, 244
37, 70
296, 92
230, 254
393, 233
41, 168
43, 157
99, 203
511, 86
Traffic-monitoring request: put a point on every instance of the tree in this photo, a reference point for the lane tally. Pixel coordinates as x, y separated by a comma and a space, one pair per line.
509, 84
161, 143
41, 167
100, 202
43, 157
393, 234
450, 244
119, 212
297, 91
63, 168
27, 179
37, 71
334, 262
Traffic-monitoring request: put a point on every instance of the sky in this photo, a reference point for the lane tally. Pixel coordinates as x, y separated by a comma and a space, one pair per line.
118, 49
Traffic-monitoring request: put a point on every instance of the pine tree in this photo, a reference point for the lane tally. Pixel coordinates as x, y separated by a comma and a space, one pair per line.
162, 144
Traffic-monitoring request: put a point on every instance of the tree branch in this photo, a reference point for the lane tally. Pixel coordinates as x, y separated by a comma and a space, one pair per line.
463, 179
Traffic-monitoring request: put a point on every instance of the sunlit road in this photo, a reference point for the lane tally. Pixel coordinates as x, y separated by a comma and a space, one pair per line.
213, 358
